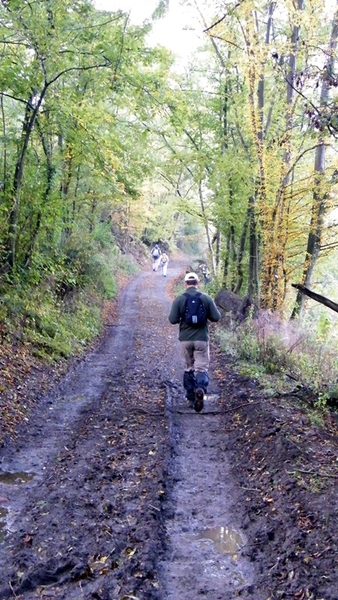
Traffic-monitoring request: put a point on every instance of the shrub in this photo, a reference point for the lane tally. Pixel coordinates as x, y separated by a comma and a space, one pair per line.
284, 347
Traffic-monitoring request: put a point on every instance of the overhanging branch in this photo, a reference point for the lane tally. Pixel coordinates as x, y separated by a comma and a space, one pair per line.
317, 297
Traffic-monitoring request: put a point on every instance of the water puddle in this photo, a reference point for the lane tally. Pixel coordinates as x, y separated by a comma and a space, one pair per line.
78, 398
226, 540
212, 397
17, 478
10, 478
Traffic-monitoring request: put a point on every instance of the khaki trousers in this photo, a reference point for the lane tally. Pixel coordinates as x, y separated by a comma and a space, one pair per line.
196, 356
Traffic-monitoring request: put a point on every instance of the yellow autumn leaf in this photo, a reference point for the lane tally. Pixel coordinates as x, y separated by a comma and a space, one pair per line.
103, 559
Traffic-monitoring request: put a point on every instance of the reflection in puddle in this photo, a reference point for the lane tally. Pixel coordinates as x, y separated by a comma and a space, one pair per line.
3, 531
212, 397
15, 478
226, 540
8, 478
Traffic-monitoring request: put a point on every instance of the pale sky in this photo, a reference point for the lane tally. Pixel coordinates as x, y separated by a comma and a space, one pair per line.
174, 31
140, 9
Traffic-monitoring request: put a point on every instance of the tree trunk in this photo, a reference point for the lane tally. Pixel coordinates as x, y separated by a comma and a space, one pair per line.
319, 195
28, 126
206, 225
49, 178
276, 272
239, 269
253, 285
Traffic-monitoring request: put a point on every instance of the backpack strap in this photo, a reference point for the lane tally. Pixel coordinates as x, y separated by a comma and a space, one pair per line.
186, 294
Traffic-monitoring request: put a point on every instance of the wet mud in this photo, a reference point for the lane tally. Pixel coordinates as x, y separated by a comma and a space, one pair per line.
114, 488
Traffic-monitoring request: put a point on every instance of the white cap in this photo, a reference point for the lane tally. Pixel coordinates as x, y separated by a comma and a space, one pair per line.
191, 277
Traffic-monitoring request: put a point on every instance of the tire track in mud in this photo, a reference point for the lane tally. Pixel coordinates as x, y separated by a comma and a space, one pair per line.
204, 544
199, 493
124, 484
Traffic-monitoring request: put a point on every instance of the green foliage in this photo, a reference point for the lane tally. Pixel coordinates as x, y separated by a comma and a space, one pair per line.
322, 401
58, 328
100, 271
240, 345
62, 334
189, 237
75, 164
57, 307
124, 265
34, 316
161, 9
316, 418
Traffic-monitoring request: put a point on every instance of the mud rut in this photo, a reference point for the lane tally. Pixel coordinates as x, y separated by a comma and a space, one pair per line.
115, 489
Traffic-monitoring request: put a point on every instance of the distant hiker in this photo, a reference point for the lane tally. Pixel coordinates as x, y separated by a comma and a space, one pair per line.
192, 310
205, 272
164, 261
156, 256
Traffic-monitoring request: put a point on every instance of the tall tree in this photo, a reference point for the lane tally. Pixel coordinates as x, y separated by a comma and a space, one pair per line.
320, 204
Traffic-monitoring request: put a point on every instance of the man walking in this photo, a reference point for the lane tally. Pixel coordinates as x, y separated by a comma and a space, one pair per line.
156, 256
192, 310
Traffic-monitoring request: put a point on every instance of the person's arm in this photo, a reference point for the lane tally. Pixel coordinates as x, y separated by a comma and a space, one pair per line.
175, 312
214, 314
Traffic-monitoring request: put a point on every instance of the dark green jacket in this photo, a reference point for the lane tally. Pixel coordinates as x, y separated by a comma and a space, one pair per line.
188, 332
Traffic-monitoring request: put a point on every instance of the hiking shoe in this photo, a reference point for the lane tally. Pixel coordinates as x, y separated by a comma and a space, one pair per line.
199, 397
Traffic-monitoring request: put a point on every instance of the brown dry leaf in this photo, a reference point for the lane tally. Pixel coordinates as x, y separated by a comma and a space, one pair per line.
28, 539
299, 595
304, 522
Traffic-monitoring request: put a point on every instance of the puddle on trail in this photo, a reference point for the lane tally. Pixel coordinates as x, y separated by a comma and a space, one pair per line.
212, 397
16, 478
226, 540
11, 478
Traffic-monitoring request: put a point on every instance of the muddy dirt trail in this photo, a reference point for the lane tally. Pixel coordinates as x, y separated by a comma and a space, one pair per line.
116, 490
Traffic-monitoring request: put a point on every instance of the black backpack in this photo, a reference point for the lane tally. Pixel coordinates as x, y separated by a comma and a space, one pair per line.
194, 311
